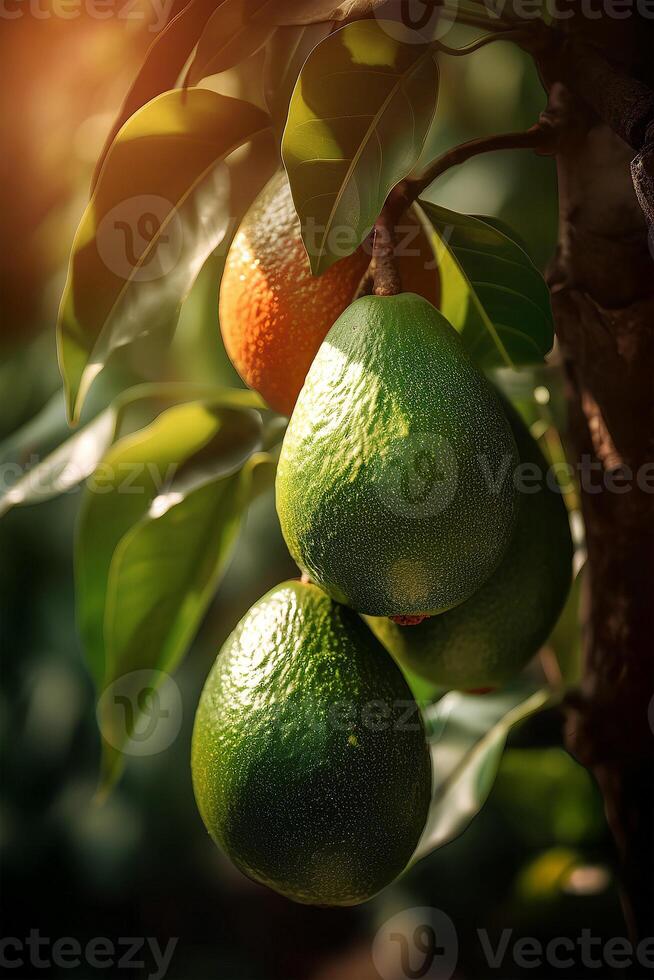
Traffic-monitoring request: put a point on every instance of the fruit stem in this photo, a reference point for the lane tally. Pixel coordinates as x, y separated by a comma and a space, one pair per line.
385, 274
382, 277
409, 620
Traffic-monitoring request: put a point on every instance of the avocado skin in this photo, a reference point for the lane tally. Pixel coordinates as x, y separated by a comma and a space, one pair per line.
391, 379
487, 640
296, 777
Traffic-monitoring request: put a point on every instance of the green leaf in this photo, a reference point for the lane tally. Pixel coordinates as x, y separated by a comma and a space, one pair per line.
491, 291
311, 11
48, 427
186, 447
565, 641
163, 63
162, 578
70, 463
164, 201
467, 735
236, 30
287, 51
504, 228
358, 118
75, 458
164, 572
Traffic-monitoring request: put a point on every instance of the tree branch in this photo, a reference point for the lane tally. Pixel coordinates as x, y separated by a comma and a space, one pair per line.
382, 276
542, 137
618, 99
509, 34
625, 104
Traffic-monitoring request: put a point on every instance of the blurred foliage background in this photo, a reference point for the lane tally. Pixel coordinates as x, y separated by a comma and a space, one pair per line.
536, 860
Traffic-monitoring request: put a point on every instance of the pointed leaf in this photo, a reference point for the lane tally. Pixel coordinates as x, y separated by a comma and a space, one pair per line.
164, 571
163, 63
287, 51
163, 575
76, 458
64, 468
358, 119
504, 228
312, 11
163, 203
45, 429
491, 291
467, 735
565, 640
183, 449
236, 30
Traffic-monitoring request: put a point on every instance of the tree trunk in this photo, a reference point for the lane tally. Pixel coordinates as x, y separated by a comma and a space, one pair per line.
603, 297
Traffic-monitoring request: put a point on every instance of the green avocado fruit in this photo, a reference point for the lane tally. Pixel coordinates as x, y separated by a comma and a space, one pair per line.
394, 485
310, 764
489, 638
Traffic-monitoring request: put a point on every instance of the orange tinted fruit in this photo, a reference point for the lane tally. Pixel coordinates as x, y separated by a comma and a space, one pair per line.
274, 314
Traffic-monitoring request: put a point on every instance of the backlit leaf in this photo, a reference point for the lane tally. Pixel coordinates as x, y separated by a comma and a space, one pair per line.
312, 11
166, 198
467, 734
64, 468
491, 291
74, 459
358, 118
287, 50
163, 575
147, 472
163, 63
236, 30
565, 641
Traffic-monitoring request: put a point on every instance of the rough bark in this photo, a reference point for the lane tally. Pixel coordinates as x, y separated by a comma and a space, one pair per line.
603, 296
